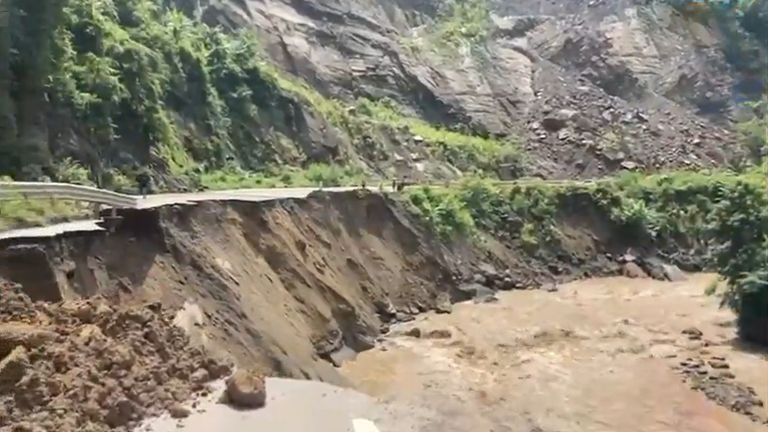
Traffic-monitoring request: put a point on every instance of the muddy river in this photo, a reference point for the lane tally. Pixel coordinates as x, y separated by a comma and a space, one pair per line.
609, 354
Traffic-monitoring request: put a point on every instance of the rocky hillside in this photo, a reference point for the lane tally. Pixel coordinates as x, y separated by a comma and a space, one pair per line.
423, 88
586, 87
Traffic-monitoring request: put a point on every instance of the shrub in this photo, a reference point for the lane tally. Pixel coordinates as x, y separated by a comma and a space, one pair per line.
70, 171
469, 153
443, 211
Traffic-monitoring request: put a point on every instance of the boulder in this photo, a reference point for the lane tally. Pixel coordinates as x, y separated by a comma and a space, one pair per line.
632, 270
479, 279
472, 291
507, 284
654, 267
673, 273
443, 304
693, 333
403, 317
550, 287
13, 335
245, 389
12, 368
439, 334
414, 332
629, 165
718, 364
626, 258
82, 310
558, 120
179, 411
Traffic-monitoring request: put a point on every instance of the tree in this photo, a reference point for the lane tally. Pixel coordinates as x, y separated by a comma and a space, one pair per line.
7, 118
36, 22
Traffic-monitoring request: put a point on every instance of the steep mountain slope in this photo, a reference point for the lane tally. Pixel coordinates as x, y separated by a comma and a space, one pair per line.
421, 88
643, 84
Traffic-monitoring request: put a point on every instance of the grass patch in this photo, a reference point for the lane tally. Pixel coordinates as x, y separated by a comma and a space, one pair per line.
461, 25
23, 213
481, 155
328, 175
465, 21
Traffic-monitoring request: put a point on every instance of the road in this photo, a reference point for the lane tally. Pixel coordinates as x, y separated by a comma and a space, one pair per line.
293, 406
160, 200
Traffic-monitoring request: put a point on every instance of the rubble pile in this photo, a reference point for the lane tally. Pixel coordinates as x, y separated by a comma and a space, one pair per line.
89, 366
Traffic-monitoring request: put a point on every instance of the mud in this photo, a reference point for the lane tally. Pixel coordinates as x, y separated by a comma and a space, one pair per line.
299, 288
87, 365
600, 354
290, 286
296, 287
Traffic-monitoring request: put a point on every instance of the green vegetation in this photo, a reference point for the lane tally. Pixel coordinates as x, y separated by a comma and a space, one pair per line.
335, 111
20, 213
443, 210
466, 152
139, 79
742, 256
754, 132
461, 24
313, 175
25, 213
465, 21
138, 83
720, 217
736, 20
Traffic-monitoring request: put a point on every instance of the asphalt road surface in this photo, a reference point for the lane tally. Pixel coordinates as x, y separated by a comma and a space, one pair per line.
159, 200
292, 406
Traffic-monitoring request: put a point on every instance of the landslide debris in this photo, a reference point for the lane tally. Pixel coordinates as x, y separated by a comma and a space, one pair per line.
90, 366
711, 375
245, 389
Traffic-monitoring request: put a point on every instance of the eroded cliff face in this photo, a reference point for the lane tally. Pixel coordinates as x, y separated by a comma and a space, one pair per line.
296, 286
588, 87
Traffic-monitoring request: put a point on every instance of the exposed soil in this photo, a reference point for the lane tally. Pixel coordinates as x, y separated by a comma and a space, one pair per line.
282, 285
598, 355
297, 288
294, 287
86, 365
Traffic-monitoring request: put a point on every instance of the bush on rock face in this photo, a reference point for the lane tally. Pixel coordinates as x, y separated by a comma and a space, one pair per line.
742, 228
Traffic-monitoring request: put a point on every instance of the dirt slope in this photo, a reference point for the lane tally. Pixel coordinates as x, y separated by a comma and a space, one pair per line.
281, 284
296, 286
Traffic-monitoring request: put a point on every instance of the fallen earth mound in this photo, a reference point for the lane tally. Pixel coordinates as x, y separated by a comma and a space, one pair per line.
89, 366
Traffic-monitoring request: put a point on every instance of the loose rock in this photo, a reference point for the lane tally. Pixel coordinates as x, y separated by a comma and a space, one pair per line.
179, 411
439, 334
83, 358
413, 332
693, 333
13, 368
632, 270
246, 389
13, 335
718, 364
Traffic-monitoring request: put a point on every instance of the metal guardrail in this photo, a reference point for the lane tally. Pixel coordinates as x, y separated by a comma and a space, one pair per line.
66, 191
24, 190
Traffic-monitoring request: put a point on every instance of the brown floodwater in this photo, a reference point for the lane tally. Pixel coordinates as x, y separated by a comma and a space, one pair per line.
599, 355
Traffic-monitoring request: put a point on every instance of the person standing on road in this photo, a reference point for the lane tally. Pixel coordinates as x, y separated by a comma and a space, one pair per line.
143, 181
